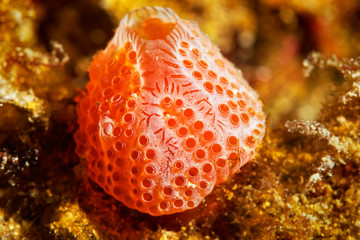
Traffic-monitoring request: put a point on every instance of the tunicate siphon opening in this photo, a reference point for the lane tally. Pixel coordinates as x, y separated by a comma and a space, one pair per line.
152, 23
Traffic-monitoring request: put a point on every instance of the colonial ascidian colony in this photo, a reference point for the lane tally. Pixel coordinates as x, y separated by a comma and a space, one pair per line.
165, 117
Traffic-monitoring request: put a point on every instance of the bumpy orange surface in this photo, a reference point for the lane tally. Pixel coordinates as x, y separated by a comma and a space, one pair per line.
165, 117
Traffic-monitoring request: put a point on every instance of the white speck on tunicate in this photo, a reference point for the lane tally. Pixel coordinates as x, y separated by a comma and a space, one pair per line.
190, 185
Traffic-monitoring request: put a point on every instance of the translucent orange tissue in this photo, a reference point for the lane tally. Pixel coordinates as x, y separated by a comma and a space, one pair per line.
155, 28
165, 117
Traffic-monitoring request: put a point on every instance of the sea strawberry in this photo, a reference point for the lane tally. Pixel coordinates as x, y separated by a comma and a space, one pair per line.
166, 117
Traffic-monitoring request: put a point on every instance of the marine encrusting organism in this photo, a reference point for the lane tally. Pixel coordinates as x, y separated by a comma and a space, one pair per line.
166, 117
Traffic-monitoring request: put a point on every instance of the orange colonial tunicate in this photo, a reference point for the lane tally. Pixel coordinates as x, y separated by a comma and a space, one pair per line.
165, 117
